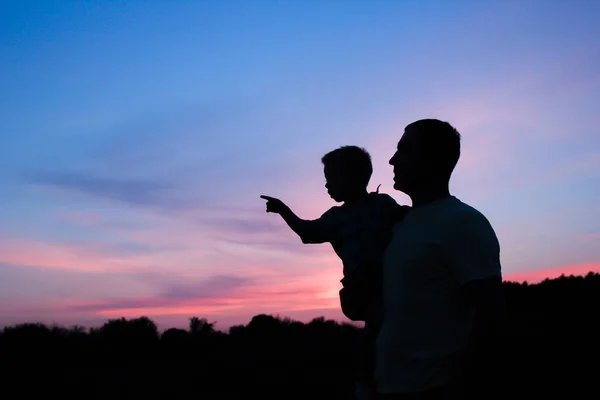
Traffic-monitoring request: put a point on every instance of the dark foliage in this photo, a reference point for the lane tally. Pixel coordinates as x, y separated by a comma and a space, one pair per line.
550, 347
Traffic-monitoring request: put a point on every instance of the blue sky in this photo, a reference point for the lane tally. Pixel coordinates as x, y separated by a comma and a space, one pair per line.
136, 137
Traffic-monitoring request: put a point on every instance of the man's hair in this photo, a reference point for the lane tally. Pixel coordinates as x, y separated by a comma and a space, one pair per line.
353, 160
441, 140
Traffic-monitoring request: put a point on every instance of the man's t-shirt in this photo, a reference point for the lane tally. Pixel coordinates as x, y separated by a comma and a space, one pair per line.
358, 233
426, 323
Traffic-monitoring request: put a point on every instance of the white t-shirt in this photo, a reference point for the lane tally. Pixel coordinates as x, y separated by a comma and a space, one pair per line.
426, 322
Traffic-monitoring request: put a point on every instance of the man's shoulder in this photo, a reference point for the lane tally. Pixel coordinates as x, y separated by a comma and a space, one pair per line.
459, 214
458, 209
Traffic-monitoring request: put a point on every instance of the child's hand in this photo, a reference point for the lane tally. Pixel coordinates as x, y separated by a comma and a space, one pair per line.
274, 205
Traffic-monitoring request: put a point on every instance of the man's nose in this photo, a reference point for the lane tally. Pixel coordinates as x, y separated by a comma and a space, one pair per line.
393, 160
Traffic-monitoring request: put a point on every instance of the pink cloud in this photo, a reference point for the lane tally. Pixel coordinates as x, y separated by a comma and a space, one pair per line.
551, 273
248, 241
275, 296
286, 281
83, 257
590, 236
244, 245
235, 303
43, 254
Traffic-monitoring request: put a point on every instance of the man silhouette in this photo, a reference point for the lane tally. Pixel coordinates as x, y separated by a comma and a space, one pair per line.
441, 274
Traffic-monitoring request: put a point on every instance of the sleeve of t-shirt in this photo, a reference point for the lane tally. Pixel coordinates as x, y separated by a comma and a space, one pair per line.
320, 230
471, 247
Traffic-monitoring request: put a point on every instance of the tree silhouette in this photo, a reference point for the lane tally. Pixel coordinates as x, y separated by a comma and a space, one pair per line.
548, 347
201, 326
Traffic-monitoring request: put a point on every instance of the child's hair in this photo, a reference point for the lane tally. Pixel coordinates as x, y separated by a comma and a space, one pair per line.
352, 159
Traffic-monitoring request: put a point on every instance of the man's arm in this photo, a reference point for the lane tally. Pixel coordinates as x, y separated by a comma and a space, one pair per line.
487, 298
473, 252
483, 346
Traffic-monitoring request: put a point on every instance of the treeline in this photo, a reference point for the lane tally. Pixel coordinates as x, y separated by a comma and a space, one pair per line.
550, 346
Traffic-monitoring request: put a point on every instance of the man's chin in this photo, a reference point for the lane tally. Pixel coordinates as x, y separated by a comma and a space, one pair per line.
400, 187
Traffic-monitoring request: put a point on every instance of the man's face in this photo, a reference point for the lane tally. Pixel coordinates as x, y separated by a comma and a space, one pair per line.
409, 162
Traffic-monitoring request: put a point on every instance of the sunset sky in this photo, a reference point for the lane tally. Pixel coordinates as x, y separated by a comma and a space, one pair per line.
137, 137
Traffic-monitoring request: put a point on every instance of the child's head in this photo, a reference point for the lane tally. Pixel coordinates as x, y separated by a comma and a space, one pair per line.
348, 171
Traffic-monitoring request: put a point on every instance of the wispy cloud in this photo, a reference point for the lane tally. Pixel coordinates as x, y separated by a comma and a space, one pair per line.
155, 193
41, 254
208, 228
214, 287
220, 295
41, 286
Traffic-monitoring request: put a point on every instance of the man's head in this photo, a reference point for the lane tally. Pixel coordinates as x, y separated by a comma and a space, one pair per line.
426, 155
347, 170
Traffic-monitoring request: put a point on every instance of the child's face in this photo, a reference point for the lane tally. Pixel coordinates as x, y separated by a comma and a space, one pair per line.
339, 185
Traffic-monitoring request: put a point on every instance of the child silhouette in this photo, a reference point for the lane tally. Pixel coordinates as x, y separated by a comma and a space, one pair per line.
359, 231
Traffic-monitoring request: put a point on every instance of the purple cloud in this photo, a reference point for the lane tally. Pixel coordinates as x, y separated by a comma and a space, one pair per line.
213, 287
